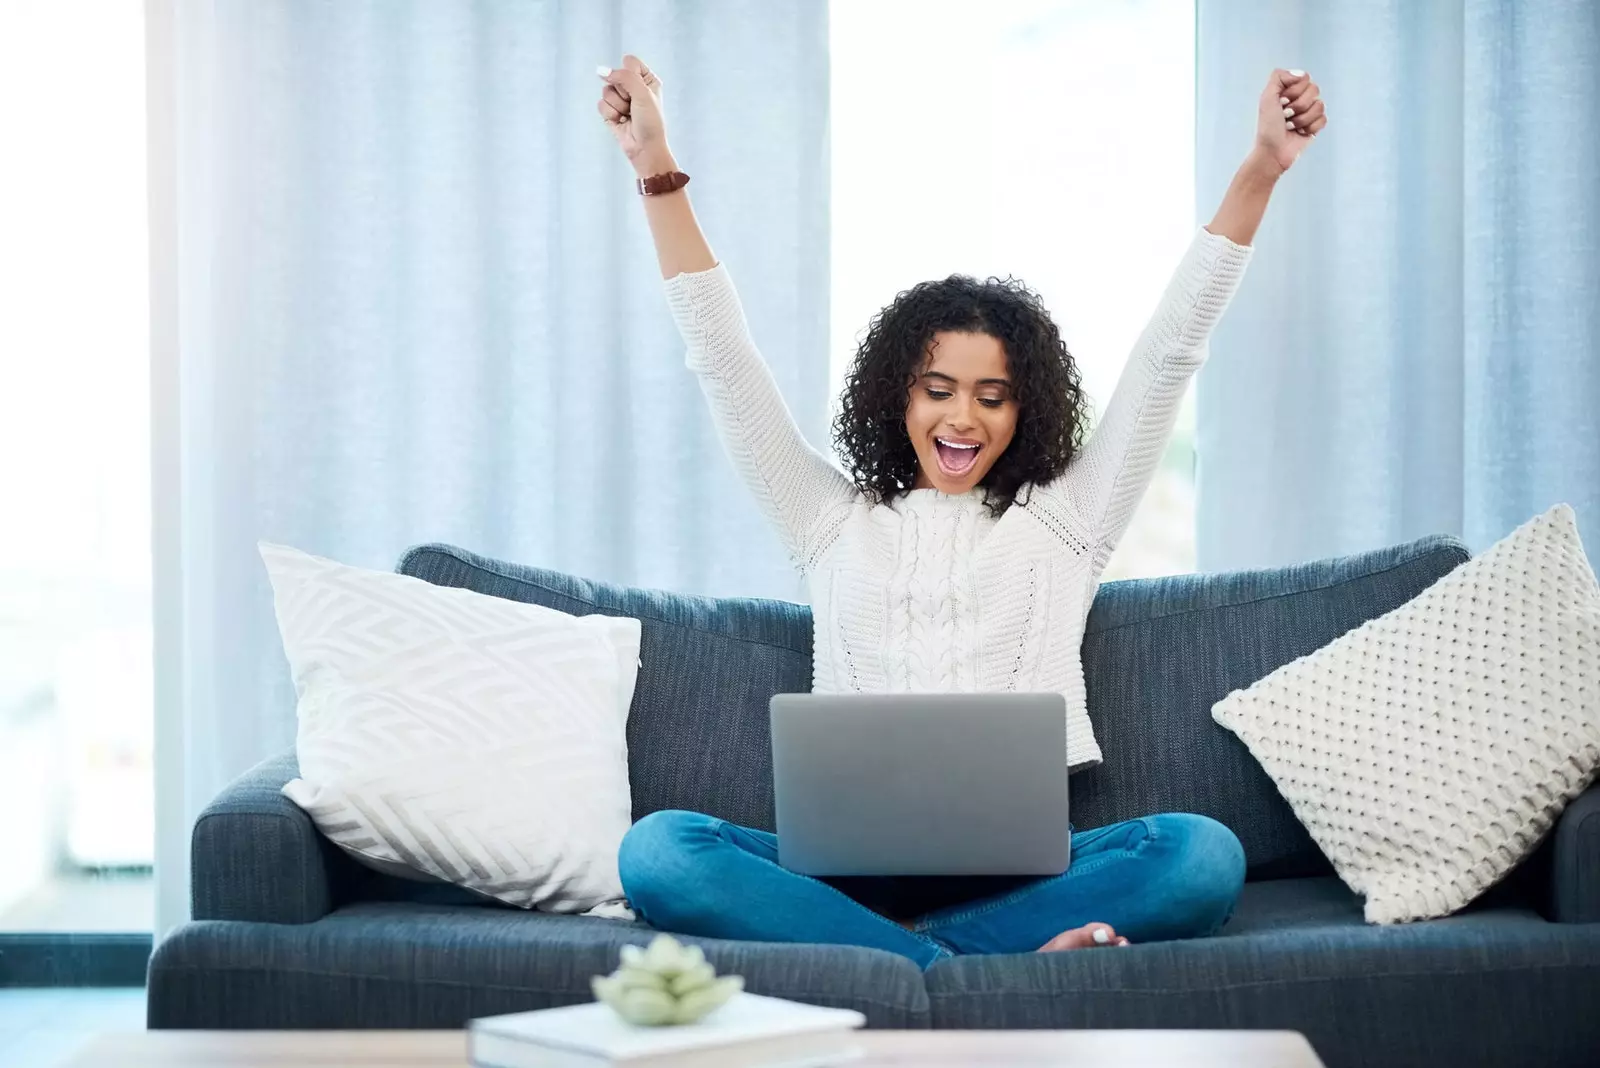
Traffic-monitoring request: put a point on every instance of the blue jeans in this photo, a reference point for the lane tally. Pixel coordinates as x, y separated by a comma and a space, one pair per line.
1173, 875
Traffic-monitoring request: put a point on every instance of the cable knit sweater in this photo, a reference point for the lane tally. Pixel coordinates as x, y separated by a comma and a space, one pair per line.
928, 593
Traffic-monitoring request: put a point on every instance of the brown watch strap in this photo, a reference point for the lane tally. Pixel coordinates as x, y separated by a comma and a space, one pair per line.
657, 184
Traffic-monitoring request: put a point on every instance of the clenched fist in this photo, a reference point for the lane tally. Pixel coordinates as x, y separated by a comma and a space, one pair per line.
1291, 114
631, 105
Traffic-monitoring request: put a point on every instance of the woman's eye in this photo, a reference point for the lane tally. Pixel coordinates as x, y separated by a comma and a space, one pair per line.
987, 402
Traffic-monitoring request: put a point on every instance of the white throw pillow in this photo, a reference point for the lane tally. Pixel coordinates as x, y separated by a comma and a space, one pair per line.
1429, 750
474, 739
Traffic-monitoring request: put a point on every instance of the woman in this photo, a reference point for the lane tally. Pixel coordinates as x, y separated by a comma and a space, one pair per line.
961, 554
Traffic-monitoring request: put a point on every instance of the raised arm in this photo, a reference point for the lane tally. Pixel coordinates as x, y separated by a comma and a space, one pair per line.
794, 485
631, 106
1289, 114
1097, 495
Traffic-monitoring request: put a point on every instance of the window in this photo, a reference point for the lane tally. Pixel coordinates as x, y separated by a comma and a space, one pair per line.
76, 722
1050, 141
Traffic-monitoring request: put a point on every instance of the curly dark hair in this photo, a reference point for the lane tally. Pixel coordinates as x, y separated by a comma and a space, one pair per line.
869, 432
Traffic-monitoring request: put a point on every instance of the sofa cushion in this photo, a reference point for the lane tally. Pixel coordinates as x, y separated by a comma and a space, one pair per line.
698, 736
1492, 985
384, 964
1158, 653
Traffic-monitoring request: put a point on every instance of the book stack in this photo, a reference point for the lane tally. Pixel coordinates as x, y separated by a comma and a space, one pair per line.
750, 1031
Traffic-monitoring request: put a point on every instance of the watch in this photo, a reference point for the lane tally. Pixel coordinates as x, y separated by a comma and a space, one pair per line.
657, 184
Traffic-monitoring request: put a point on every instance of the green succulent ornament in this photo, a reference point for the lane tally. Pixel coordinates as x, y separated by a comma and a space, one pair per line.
665, 983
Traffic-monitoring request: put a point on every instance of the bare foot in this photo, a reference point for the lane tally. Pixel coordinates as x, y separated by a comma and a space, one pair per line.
1088, 936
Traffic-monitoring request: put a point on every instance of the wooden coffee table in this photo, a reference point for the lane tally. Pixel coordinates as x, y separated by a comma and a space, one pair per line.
941, 1049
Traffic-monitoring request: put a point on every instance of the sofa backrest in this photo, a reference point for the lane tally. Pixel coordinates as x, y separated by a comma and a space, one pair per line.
1157, 654
698, 736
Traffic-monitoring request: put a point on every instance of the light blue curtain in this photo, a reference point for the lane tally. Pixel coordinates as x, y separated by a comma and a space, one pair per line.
417, 301
1417, 348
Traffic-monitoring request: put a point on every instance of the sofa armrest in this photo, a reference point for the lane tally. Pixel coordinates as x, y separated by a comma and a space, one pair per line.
1572, 875
255, 855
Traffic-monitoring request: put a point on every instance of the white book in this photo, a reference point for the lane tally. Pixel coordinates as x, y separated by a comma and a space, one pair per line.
750, 1031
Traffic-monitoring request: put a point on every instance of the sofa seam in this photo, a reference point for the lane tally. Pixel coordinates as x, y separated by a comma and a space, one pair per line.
418, 550
1267, 597
1255, 983
470, 984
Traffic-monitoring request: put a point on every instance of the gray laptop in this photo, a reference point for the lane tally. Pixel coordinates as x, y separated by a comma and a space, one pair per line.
921, 784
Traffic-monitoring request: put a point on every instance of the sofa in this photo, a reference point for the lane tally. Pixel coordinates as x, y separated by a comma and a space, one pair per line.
288, 932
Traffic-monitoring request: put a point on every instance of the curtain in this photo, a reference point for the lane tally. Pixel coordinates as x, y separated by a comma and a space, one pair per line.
1417, 348
410, 296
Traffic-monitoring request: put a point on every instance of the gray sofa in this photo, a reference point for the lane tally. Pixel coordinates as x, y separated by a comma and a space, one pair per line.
289, 933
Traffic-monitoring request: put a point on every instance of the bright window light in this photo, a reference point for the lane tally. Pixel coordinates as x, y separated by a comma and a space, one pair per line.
75, 677
1049, 141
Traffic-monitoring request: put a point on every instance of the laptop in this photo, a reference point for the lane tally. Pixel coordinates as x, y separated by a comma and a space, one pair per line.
921, 784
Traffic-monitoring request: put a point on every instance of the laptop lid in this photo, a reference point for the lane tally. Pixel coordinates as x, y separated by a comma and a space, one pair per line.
921, 784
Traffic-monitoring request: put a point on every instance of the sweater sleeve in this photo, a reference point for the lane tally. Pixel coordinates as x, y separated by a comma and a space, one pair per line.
794, 484
1091, 504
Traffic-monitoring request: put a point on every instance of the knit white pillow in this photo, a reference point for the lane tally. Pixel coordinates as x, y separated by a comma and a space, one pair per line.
470, 738
1429, 750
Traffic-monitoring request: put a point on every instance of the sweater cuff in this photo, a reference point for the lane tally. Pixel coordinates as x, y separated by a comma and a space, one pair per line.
1204, 284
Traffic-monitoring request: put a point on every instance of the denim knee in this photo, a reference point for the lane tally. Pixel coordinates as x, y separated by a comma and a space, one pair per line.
1208, 866
654, 863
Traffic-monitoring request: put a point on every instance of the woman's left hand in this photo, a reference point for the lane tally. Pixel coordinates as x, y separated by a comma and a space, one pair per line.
1290, 115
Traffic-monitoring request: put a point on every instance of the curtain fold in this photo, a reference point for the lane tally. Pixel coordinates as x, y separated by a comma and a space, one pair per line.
416, 300
1417, 349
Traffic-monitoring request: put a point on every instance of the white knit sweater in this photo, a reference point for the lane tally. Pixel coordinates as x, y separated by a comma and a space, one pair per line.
928, 593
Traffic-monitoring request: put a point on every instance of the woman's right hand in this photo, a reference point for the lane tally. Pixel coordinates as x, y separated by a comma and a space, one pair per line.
631, 106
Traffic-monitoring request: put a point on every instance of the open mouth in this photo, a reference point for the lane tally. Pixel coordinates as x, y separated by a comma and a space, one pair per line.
956, 460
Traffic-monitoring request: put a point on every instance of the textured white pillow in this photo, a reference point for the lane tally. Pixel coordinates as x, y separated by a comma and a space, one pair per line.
1429, 750
470, 738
